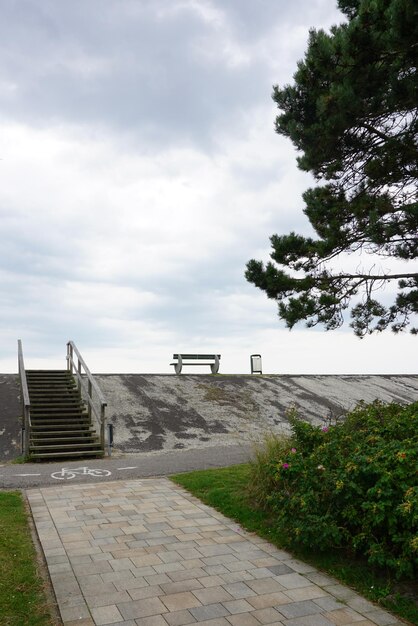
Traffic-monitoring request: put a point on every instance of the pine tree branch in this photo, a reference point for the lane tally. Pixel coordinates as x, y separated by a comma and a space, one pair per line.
368, 277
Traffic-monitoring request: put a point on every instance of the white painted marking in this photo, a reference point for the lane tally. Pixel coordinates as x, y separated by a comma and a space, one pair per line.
27, 474
69, 473
126, 468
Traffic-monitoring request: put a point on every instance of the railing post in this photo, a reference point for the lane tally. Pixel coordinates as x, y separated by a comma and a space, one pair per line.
79, 376
27, 430
102, 425
110, 439
69, 357
90, 395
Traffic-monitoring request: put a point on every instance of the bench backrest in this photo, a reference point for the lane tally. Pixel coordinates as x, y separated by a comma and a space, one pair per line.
196, 356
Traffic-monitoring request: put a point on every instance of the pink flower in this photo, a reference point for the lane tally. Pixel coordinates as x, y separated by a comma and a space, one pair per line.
325, 429
285, 466
293, 450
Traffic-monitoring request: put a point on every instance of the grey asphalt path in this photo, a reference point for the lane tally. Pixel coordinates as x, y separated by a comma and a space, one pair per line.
122, 467
145, 553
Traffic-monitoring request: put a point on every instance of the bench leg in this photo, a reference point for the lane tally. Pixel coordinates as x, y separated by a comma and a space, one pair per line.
215, 366
179, 365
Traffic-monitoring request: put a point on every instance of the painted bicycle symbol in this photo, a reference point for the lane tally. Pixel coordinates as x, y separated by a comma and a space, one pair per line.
68, 473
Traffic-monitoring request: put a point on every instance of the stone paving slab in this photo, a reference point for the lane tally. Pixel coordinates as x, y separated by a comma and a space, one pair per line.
147, 553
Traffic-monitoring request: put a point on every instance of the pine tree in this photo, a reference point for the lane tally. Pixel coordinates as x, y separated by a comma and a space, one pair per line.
352, 113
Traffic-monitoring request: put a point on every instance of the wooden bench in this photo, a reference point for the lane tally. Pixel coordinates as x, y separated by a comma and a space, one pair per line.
197, 359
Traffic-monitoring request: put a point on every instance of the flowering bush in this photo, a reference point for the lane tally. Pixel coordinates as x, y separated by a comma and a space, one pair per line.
352, 485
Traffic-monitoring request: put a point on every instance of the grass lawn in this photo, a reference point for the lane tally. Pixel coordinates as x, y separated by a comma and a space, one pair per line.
225, 490
22, 596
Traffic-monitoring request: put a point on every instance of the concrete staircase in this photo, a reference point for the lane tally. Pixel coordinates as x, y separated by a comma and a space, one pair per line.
61, 426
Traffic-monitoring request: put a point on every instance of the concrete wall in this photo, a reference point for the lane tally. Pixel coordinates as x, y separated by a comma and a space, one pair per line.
168, 412
10, 412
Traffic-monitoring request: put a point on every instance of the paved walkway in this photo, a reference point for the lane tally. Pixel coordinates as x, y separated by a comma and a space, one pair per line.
146, 553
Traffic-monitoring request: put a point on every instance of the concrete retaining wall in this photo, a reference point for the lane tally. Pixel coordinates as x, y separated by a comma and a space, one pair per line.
166, 412
153, 412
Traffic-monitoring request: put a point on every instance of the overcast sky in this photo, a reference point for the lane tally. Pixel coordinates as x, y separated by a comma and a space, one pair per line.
140, 171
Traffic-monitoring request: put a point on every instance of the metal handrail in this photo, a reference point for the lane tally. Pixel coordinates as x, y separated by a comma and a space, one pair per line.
88, 389
27, 424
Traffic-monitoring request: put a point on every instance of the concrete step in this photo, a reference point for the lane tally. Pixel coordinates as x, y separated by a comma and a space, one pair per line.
67, 428
58, 414
63, 407
81, 437
47, 382
52, 392
72, 455
49, 377
45, 420
43, 412
59, 400
65, 446
75, 406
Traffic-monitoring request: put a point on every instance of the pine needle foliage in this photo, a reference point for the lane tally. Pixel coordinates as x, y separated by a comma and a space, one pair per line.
352, 113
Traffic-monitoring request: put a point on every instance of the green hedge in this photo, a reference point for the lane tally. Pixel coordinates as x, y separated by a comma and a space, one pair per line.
351, 485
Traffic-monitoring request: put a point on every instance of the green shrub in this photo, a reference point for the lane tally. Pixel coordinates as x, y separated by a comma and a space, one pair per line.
350, 485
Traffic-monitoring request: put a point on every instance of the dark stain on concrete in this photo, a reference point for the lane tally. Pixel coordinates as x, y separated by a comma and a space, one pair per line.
152, 442
175, 419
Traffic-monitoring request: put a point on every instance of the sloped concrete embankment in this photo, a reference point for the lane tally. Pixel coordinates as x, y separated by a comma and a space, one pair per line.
10, 420
168, 412
155, 413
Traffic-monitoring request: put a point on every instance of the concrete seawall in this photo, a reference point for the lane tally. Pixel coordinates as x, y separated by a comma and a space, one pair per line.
152, 412
10, 412
165, 412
